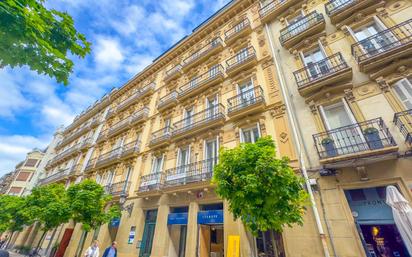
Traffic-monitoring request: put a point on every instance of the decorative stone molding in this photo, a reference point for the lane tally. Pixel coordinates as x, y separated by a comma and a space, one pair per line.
278, 110
313, 107
383, 85
349, 95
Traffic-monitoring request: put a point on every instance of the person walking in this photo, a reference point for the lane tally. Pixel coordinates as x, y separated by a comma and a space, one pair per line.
111, 251
93, 250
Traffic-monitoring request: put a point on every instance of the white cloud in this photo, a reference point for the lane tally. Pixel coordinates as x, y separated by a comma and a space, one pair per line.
108, 53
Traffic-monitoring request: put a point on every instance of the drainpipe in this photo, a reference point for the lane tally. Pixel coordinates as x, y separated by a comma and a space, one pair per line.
293, 124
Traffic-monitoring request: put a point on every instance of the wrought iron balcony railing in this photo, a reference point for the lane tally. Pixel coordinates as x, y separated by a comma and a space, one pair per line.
149, 88
118, 126
129, 101
320, 70
118, 188
173, 72
139, 116
108, 157
68, 152
245, 99
241, 57
199, 119
205, 50
404, 122
201, 80
354, 139
90, 164
384, 41
190, 173
130, 148
167, 100
335, 6
161, 135
300, 26
151, 182
86, 143
75, 170
272, 6
62, 173
236, 29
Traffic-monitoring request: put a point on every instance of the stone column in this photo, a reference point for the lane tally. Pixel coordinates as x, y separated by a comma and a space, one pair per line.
192, 230
161, 238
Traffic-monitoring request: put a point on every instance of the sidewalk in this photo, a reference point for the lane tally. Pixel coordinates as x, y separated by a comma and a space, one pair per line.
12, 254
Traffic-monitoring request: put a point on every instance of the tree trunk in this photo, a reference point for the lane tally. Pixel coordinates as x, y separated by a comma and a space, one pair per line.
51, 241
81, 244
41, 240
9, 240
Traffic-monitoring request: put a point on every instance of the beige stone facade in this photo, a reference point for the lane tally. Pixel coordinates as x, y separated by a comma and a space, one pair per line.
291, 69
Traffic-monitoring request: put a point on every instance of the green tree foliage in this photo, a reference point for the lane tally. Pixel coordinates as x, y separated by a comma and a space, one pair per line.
40, 38
262, 190
14, 215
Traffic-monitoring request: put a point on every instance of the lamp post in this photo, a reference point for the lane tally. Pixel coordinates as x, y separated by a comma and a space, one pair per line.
123, 207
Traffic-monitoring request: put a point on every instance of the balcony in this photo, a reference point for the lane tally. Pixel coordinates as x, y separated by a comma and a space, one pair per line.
75, 170
151, 182
211, 48
108, 158
118, 127
243, 60
129, 101
60, 175
118, 188
95, 121
147, 90
90, 164
111, 113
68, 153
160, 137
355, 143
173, 73
199, 122
131, 149
239, 30
201, 82
191, 173
102, 136
246, 103
307, 26
86, 144
339, 10
271, 10
139, 116
328, 71
168, 101
77, 133
403, 120
384, 47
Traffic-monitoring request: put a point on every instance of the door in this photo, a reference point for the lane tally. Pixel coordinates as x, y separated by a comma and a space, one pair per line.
242, 55
342, 128
64, 242
182, 241
188, 117
204, 241
316, 62
403, 89
247, 93
148, 233
210, 156
373, 45
211, 107
269, 244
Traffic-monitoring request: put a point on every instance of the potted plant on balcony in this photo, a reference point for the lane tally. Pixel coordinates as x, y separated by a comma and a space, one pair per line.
329, 146
372, 138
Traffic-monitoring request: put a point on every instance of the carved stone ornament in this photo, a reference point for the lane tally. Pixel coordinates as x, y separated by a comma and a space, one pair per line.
278, 110
313, 107
383, 85
349, 95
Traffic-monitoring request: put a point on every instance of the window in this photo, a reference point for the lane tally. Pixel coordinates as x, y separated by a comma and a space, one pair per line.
370, 43
15, 190
31, 163
183, 159
316, 62
246, 92
157, 164
23, 176
211, 106
250, 135
213, 71
403, 89
242, 55
188, 116
211, 148
168, 123
269, 243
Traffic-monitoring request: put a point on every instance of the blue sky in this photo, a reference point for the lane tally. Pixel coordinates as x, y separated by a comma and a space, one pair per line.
126, 36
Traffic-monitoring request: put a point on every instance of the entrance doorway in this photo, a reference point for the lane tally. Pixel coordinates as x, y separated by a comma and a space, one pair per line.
269, 244
375, 224
211, 232
177, 223
148, 233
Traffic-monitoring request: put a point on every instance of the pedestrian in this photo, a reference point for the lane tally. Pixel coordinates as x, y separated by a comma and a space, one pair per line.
111, 251
93, 250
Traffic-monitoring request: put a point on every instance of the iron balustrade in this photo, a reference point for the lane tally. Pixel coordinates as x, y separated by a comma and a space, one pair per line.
151, 182
118, 125
210, 114
147, 88
173, 71
139, 115
242, 56
69, 151
102, 134
203, 51
110, 112
111, 155
167, 99
75, 169
118, 188
237, 28
319, 70
356, 138
202, 79
272, 5
161, 135
135, 95
55, 176
90, 164
334, 6
383, 41
190, 173
87, 143
245, 99
403, 120
132, 147
300, 26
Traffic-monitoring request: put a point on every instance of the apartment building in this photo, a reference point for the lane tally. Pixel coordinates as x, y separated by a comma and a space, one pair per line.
345, 68
5, 182
328, 80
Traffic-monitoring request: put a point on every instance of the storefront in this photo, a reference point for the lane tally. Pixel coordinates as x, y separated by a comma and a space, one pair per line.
177, 223
211, 233
374, 222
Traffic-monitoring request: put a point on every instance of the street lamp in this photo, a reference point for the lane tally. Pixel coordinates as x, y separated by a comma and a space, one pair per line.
123, 207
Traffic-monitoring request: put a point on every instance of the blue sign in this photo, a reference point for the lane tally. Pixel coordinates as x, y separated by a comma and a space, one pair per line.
114, 223
210, 217
177, 218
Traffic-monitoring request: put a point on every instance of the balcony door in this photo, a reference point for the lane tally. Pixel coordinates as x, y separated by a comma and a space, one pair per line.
188, 117
316, 62
403, 89
183, 160
246, 93
372, 44
242, 55
214, 71
210, 154
157, 164
342, 129
211, 106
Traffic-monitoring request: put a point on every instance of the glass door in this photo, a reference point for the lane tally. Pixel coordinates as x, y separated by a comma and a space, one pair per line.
182, 241
211, 107
242, 55
210, 155
183, 162
188, 117
316, 62
246, 92
148, 233
373, 45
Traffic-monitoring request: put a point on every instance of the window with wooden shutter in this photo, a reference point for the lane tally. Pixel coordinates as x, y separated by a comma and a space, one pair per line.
31, 163
23, 176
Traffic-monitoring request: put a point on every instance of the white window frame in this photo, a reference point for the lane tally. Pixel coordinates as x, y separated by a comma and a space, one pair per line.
401, 87
241, 130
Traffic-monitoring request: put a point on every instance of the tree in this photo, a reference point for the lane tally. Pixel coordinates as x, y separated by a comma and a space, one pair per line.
262, 190
89, 206
49, 206
40, 38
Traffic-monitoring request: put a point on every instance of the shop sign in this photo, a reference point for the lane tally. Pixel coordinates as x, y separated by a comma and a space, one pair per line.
233, 249
132, 234
114, 223
210, 217
177, 219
